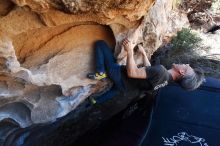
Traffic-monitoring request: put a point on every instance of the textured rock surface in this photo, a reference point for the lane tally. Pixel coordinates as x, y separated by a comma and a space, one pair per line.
42, 68
161, 22
46, 49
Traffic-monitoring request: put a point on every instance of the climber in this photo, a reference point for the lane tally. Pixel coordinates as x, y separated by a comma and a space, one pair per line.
144, 78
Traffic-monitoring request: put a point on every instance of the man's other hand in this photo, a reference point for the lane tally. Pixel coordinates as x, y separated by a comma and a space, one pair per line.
129, 46
141, 49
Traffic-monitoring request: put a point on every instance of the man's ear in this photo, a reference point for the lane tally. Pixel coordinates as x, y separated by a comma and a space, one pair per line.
182, 72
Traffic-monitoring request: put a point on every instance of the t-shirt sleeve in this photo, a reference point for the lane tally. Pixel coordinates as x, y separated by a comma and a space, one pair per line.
157, 76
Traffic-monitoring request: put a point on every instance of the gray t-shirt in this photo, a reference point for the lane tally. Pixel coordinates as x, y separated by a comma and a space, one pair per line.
157, 77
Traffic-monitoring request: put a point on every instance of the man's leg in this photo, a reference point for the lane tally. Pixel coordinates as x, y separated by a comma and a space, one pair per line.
108, 95
102, 51
105, 62
104, 56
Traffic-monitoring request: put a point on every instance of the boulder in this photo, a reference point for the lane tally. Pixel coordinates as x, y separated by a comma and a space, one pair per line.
47, 48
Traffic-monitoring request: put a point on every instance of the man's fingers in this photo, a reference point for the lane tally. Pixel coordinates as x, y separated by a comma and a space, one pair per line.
126, 41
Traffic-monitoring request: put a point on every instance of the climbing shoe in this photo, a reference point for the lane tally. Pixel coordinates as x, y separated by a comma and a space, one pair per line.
97, 76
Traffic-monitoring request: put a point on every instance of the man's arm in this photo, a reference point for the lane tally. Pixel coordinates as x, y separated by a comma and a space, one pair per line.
132, 70
142, 51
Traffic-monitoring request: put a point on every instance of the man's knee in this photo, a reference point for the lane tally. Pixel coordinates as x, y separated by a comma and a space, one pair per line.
100, 43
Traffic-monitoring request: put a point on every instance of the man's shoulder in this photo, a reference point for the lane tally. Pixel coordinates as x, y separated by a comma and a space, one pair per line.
156, 69
159, 66
160, 77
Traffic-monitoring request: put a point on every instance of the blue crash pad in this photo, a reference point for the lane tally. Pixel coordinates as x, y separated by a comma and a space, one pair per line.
181, 118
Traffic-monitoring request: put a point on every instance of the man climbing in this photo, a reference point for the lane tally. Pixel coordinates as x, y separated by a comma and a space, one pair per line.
144, 78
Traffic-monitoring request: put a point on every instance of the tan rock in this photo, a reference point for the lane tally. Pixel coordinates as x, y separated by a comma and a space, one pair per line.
35, 5
20, 20
48, 58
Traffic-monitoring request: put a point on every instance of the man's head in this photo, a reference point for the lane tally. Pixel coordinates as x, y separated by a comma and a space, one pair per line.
188, 78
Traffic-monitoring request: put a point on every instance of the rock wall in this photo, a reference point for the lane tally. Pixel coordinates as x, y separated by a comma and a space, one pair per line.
46, 49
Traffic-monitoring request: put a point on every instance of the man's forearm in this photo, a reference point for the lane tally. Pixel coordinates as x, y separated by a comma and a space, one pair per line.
146, 61
130, 65
132, 70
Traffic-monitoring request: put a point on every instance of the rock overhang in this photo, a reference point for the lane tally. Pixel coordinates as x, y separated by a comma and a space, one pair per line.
50, 43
